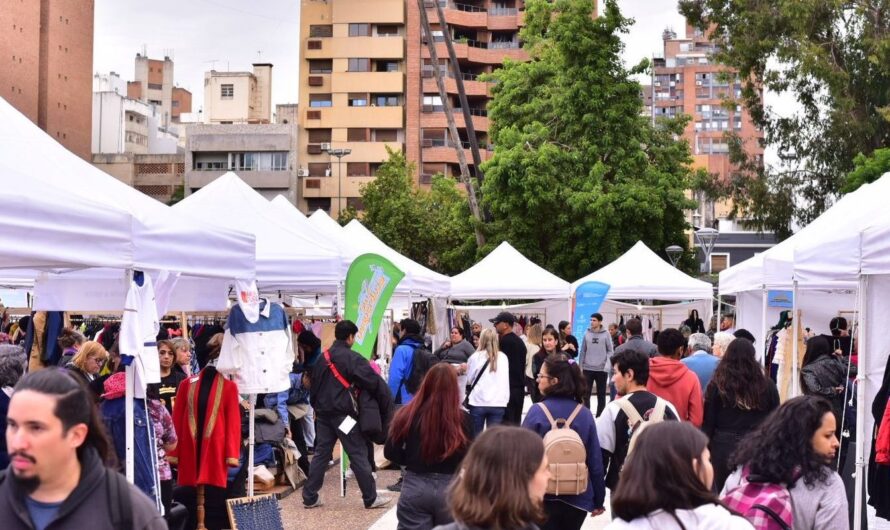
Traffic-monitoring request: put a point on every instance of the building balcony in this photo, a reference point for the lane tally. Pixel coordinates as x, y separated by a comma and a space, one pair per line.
492, 53
471, 87
333, 187
368, 47
389, 82
339, 117
254, 179
431, 117
444, 152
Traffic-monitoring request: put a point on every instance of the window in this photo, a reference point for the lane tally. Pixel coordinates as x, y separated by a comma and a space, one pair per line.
359, 65
387, 30
386, 65
433, 137
386, 100
433, 104
359, 30
319, 100
355, 202
175, 103
357, 135
321, 31
357, 169
358, 100
320, 66
319, 169
227, 91
155, 102
155, 86
719, 262
318, 203
317, 136
313, 45
386, 135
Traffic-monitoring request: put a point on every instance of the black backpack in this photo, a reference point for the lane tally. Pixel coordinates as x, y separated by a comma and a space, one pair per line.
421, 363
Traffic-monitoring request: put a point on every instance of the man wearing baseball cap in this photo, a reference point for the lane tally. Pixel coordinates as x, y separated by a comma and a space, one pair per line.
515, 350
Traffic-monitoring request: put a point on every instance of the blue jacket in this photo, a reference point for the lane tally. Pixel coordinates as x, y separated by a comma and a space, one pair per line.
400, 369
583, 424
295, 395
703, 364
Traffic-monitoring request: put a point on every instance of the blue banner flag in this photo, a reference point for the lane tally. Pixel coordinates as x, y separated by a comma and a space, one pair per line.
588, 298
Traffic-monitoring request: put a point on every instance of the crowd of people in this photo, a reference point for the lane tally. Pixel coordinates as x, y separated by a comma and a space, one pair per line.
684, 432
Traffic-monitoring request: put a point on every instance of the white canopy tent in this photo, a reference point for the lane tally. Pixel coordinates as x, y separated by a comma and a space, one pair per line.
418, 279
317, 230
640, 274
505, 274
286, 258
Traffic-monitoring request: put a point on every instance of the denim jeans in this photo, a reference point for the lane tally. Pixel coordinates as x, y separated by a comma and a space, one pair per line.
423, 501
486, 417
145, 459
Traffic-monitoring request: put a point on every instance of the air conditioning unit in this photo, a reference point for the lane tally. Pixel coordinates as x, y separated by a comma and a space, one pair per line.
327, 172
325, 147
698, 83
302, 172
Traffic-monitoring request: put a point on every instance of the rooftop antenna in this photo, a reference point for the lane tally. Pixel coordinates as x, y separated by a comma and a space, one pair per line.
212, 63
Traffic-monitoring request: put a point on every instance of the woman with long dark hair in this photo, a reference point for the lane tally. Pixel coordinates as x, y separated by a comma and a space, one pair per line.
737, 399
795, 447
824, 373
429, 437
563, 387
501, 483
666, 483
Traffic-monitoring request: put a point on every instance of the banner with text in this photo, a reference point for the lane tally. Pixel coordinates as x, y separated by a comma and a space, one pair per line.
588, 298
370, 282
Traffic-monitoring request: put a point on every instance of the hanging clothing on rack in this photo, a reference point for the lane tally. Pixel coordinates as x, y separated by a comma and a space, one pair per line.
258, 355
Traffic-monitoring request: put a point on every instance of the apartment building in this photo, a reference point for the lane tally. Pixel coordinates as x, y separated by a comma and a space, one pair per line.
263, 155
238, 97
154, 83
125, 125
687, 80
484, 32
46, 67
352, 97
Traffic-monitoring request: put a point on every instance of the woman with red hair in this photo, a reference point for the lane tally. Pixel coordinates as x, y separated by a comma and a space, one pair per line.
429, 437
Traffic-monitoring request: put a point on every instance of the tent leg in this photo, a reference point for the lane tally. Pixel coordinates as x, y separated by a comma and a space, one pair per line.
718, 309
130, 390
795, 326
862, 380
764, 300
251, 399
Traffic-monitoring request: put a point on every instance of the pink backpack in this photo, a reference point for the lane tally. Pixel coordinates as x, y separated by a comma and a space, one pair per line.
767, 506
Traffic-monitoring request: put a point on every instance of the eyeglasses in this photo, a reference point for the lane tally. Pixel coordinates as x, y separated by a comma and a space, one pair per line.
542, 376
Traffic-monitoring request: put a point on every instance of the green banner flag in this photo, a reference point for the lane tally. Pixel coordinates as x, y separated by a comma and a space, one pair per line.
370, 282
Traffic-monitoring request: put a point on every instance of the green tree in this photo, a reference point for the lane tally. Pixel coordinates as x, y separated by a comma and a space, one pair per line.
432, 227
833, 58
578, 174
868, 169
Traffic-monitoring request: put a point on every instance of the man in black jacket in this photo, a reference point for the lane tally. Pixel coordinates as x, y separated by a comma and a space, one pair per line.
515, 350
336, 416
57, 476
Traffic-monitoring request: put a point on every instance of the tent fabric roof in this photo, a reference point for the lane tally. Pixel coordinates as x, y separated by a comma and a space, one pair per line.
163, 240
641, 274
418, 279
288, 214
849, 241
285, 258
506, 274
45, 229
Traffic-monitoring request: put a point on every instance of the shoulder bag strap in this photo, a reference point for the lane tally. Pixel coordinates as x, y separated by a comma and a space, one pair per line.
628, 408
478, 377
658, 412
546, 411
337, 374
572, 417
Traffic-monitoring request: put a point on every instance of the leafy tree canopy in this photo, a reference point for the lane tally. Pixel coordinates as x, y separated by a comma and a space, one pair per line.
432, 227
833, 57
578, 174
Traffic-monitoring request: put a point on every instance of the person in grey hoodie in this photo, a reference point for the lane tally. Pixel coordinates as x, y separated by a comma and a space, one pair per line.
596, 350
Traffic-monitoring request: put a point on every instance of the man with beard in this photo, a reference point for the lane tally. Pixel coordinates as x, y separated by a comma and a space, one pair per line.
57, 476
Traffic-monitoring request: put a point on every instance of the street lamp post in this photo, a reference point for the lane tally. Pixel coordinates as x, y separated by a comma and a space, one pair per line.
339, 153
706, 238
674, 252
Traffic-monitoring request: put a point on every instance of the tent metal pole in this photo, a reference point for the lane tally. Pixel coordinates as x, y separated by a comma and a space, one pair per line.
861, 380
795, 326
129, 420
251, 400
718, 309
764, 299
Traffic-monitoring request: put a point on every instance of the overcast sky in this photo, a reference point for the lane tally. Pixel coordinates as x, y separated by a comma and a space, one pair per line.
233, 34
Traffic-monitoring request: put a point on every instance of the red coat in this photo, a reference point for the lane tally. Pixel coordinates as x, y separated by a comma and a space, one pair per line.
221, 444
882, 444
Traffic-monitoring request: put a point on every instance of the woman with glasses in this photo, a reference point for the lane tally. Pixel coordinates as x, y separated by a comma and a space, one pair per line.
85, 366
563, 389
170, 377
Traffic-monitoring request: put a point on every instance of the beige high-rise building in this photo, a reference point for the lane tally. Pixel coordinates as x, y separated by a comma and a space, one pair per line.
352, 96
46, 66
154, 84
238, 97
